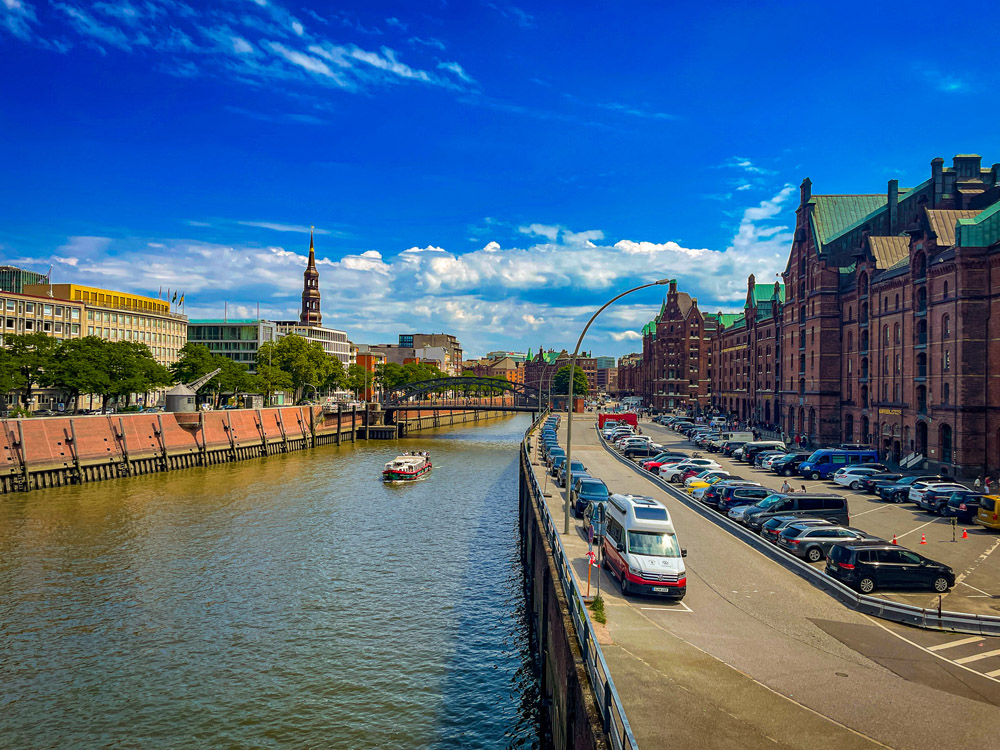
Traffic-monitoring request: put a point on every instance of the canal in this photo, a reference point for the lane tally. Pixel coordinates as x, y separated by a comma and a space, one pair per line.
288, 602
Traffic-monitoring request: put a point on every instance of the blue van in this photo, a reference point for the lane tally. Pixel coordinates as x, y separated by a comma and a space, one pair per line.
822, 463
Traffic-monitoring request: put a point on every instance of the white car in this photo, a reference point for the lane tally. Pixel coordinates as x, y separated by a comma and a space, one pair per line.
918, 489
632, 440
737, 513
769, 461
673, 472
851, 476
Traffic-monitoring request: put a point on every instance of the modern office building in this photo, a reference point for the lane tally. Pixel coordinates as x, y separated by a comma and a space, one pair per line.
120, 316
238, 340
14, 279
451, 360
26, 313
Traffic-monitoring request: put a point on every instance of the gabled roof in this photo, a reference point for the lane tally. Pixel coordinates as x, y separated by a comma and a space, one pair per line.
889, 250
981, 231
943, 224
834, 213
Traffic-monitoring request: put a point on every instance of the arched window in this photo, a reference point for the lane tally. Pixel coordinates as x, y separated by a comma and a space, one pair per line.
863, 285
863, 315
885, 334
850, 343
921, 398
895, 393
896, 333
922, 332
946, 393
920, 266
945, 294
922, 300
897, 301
946, 326
864, 341
921, 365
944, 441
898, 363
864, 398
885, 304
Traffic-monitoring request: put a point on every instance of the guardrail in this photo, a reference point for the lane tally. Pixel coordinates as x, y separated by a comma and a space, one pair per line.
616, 724
931, 619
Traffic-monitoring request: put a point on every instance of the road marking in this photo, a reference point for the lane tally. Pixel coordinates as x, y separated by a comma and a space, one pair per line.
961, 582
979, 560
907, 533
994, 673
960, 642
685, 607
856, 514
927, 650
977, 657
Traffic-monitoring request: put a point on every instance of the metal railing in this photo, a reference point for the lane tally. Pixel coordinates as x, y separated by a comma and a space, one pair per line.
921, 617
616, 724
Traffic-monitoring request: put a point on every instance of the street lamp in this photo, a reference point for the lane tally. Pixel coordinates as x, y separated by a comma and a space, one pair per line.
569, 413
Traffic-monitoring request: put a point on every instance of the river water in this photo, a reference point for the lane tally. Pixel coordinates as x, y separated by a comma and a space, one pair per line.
288, 602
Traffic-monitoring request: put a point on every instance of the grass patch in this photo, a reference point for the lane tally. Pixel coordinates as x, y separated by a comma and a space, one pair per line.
597, 610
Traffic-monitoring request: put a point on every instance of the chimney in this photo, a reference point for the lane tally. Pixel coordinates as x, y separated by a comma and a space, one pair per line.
805, 190
937, 168
967, 166
893, 206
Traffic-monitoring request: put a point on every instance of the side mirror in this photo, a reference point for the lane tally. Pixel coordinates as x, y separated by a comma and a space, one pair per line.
621, 547
684, 552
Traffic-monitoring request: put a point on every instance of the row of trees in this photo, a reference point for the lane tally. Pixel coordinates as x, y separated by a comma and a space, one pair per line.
88, 365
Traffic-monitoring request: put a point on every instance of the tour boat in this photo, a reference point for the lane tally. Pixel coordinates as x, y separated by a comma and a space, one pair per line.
403, 468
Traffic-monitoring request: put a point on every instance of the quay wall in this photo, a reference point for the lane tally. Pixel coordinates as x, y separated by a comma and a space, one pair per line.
56, 451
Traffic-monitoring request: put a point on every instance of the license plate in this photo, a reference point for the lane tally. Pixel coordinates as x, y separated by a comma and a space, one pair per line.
660, 589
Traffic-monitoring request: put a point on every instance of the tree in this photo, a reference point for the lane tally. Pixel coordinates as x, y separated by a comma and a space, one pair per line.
234, 378
301, 361
334, 379
31, 354
195, 360
560, 382
80, 366
357, 379
132, 369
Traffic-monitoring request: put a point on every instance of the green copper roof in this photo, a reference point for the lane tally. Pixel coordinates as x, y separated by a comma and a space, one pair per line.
982, 231
765, 292
834, 213
727, 320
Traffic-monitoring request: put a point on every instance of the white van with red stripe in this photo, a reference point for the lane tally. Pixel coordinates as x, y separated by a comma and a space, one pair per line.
641, 547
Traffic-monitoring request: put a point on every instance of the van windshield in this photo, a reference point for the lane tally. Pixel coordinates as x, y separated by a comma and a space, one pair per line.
816, 457
653, 544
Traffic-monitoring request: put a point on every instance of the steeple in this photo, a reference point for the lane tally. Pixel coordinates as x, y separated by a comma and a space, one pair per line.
310, 314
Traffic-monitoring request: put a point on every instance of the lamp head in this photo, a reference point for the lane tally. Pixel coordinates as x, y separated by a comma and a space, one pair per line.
661, 282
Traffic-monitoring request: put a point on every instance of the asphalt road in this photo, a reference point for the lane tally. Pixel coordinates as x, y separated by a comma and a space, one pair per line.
975, 560
756, 657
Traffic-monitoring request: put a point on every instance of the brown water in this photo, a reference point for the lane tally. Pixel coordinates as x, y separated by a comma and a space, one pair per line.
287, 602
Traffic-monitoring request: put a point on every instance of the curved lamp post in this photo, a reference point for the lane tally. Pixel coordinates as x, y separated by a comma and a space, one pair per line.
569, 412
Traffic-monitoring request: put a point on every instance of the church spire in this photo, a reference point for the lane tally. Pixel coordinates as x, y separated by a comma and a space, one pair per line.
310, 314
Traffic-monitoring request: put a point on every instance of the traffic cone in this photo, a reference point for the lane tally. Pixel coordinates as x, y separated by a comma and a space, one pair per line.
893, 539
923, 539
965, 533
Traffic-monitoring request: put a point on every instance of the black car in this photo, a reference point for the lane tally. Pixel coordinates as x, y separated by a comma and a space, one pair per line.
714, 493
935, 501
869, 483
963, 505
868, 567
897, 492
645, 450
788, 465
733, 497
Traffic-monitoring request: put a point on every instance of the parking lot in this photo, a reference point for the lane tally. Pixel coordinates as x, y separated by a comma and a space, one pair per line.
975, 560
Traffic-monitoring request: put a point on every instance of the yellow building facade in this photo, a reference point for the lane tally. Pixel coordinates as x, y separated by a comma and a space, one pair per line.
119, 316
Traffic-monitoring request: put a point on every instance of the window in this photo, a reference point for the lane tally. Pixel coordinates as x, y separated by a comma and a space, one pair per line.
896, 334
945, 392
885, 337
945, 295
29, 308
945, 329
945, 364
850, 348
74, 314
897, 307
48, 311
898, 363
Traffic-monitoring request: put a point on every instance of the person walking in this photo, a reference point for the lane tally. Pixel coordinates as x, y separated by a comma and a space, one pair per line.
785, 487
977, 485
986, 484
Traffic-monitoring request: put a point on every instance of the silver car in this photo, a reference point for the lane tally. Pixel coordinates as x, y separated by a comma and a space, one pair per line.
813, 542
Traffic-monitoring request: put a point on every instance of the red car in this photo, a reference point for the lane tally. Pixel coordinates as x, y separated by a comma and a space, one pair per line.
654, 466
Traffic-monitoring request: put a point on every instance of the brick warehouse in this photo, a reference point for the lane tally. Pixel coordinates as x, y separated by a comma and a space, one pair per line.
676, 362
886, 335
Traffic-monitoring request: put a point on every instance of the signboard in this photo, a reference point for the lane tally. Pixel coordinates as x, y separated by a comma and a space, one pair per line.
891, 412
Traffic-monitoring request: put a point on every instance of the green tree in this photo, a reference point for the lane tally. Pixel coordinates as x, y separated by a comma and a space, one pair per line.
337, 376
303, 363
560, 382
31, 354
233, 378
80, 366
131, 370
195, 360
357, 379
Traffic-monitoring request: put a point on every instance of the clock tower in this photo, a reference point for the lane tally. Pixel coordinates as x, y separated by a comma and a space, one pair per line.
310, 315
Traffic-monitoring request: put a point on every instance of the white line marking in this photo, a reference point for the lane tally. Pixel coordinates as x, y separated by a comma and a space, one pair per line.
979, 559
977, 657
862, 513
960, 642
686, 608
927, 650
961, 582
907, 533
994, 673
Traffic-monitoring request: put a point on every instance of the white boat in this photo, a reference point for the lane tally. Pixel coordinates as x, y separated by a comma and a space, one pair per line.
406, 467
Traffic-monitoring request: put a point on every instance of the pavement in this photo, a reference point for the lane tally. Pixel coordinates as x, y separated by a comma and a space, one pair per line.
754, 656
975, 560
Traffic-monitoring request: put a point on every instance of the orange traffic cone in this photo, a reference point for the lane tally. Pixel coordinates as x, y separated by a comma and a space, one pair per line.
923, 539
893, 539
965, 533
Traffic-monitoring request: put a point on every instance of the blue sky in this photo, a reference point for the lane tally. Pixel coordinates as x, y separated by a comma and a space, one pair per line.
482, 168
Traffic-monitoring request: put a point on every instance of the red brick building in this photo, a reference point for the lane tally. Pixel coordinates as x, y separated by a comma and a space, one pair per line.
540, 368
889, 333
674, 369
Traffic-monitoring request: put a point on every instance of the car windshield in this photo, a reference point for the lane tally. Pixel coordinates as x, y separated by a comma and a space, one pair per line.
653, 544
594, 489
769, 501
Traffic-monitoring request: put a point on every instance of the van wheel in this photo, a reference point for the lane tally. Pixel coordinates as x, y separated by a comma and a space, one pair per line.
814, 476
867, 585
624, 582
941, 584
786, 473
815, 554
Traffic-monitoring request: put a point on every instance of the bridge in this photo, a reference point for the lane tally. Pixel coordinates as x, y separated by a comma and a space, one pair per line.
465, 392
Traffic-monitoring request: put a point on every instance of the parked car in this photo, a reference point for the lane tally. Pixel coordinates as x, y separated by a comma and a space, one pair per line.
593, 517
761, 456
557, 461
713, 494
963, 505
661, 458
989, 510
896, 492
825, 461
673, 472
851, 476
575, 468
744, 496
813, 541
919, 489
750, 450
587, 489
868, 483
641, 450
553, 454
788, 465
935, 498
705, 478
807, 505
773, 526
868, 567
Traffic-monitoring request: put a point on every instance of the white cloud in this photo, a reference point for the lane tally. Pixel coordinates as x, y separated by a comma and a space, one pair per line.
457, 69
298, 28
300, 228
534, 322
542, 230
241, 46
623, 336
17, 16
431, 42
492, 247
307, 62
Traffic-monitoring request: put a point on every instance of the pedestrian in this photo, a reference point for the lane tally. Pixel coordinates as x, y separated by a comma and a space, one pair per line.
786, 487
977, 485
986, 484
804, 488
